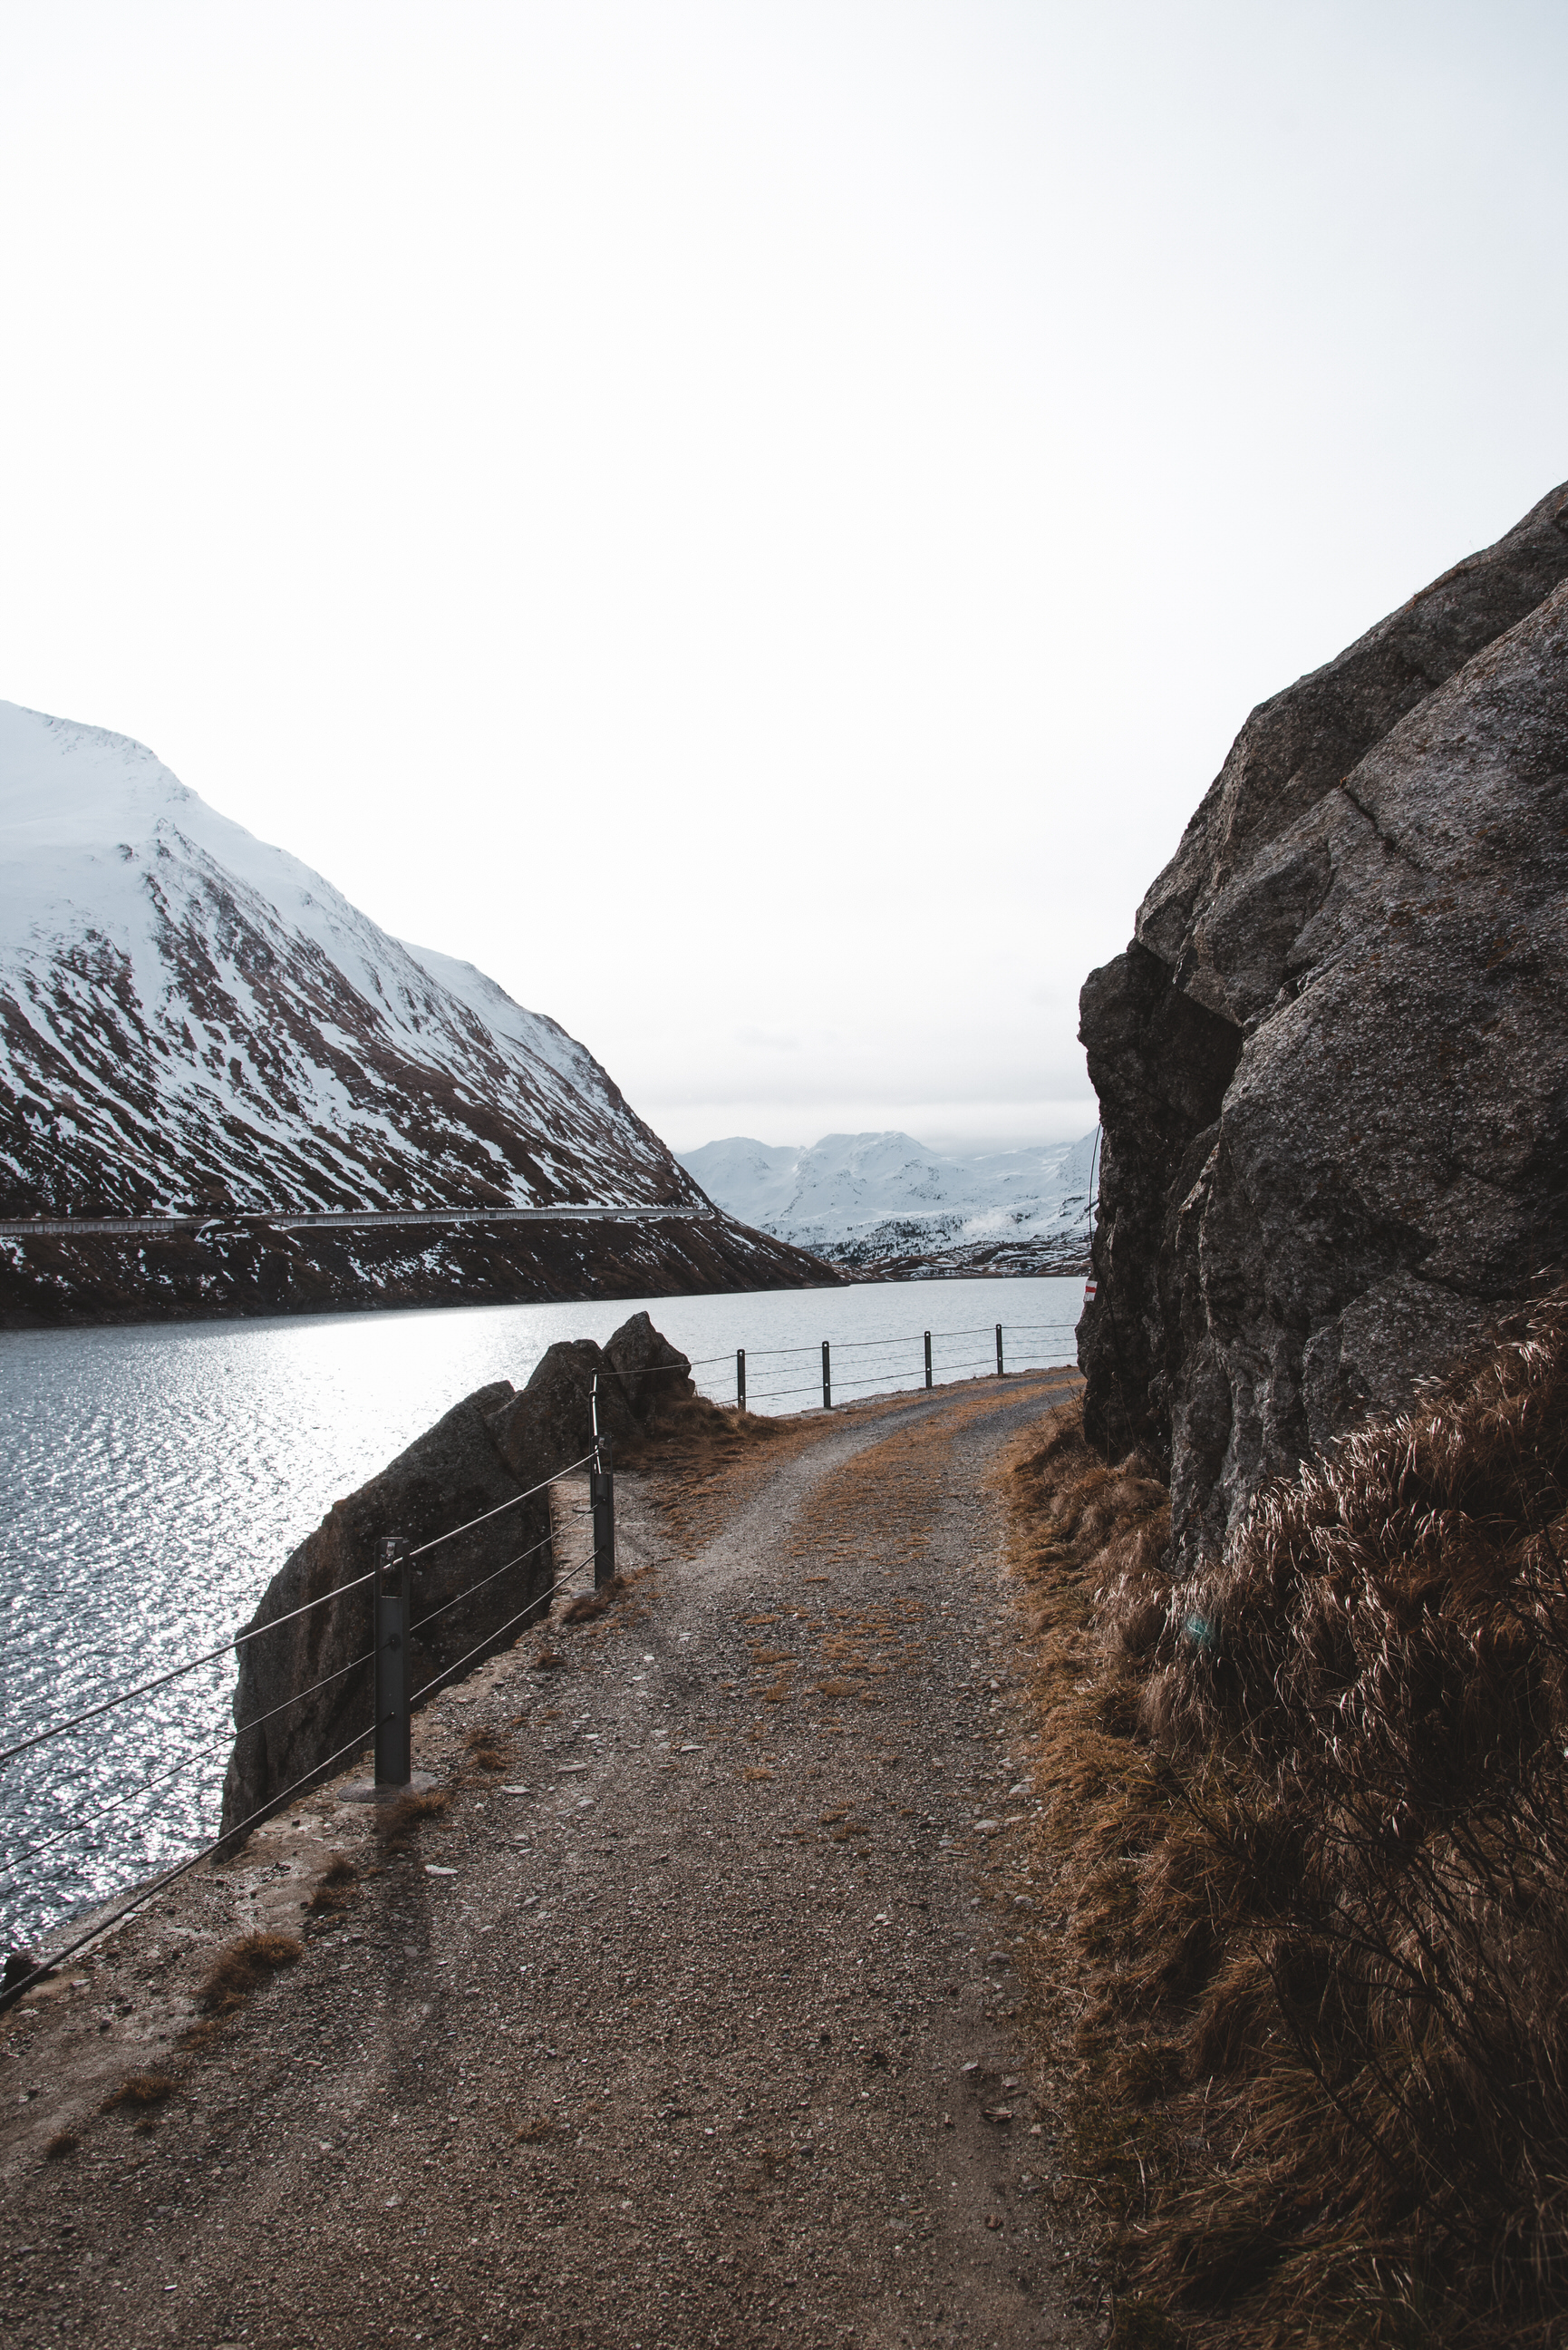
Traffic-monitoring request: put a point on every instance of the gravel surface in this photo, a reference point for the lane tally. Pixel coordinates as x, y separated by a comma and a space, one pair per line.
697, 2020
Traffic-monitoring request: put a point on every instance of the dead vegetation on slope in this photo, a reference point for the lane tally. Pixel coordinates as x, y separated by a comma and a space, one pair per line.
242, 1967
1309, 1829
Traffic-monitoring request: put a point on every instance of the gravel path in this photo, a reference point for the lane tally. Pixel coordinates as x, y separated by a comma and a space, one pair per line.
696, 2023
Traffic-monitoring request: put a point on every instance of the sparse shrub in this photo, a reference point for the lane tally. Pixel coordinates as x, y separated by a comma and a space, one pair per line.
487, 1750
64, 2142
242, 1967
141, 2090
396, 1822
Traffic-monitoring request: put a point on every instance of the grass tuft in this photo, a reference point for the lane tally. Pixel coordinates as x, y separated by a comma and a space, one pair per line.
396, 1822
333, 1885
538, 2130
488, 1750
141, 2090
242, 1967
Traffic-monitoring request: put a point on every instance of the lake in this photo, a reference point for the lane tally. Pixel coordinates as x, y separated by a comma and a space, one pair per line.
156, 1478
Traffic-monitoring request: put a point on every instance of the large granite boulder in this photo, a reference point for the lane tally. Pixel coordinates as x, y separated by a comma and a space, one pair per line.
307, 1691
551, 1423
652, 1374
1333, 1063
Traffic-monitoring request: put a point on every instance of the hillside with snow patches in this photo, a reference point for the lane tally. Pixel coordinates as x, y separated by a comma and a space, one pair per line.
190, 1018
885, 1201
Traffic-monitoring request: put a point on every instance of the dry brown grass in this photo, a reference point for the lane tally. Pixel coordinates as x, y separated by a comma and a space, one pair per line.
691, 1433
702, 1459
489, 1749
538, 2130
141, 2090
591, 1605
1308, 1818
64, 2142
333, 1885
242, 1967
396, 1822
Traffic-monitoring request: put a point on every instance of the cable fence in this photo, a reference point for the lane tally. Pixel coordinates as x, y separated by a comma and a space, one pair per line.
77, 1815
911, 1362
80, 1803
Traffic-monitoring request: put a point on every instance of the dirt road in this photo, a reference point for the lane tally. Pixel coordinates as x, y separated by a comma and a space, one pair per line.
695, 2022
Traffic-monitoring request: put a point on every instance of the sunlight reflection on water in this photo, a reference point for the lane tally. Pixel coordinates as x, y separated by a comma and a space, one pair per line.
155, 1480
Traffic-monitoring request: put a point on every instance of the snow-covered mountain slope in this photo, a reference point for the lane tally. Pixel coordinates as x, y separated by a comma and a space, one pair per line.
878, 1199
189, 1018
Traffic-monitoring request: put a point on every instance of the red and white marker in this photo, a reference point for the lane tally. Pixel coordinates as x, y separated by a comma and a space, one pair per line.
1089, 1292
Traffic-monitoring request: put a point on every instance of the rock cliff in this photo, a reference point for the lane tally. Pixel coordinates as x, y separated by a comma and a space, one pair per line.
307, 1691
1333, 1063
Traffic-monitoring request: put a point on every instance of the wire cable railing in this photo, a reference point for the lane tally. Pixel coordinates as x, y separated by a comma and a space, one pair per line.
178, 1672
231, 1739
484, 1516
275, 1803
118, 1810
141, 1894
272, 1624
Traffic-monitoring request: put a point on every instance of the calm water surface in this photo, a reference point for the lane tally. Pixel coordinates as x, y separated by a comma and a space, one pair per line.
155, 1480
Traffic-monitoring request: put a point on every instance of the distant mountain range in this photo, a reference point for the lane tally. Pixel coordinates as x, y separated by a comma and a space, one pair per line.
883, 1204
190, 1020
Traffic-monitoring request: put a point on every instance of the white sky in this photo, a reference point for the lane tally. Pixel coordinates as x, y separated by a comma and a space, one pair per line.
757, 523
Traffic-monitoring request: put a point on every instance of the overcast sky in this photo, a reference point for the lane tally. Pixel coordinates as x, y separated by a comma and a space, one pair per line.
756, 525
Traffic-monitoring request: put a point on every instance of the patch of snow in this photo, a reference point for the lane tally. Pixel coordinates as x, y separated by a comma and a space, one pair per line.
188, 1013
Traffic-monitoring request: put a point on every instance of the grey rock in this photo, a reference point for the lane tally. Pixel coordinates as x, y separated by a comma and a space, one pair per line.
549, 1426
551, 1423
1333, 1063
470, 1594
451, 1474
652, 1373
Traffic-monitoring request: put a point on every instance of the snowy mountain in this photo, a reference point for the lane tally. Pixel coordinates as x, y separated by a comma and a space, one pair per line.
189, 1018
884, 1201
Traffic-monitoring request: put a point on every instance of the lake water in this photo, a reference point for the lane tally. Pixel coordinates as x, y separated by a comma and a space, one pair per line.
155, 1478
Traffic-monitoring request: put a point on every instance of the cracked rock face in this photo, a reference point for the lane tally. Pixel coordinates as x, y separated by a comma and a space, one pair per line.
1333, 1063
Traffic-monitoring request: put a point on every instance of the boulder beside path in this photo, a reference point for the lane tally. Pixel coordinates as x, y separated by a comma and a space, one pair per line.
307, 1691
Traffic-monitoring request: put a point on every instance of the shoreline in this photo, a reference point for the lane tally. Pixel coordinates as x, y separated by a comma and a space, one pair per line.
231, 1273
698, 1974
54, 1308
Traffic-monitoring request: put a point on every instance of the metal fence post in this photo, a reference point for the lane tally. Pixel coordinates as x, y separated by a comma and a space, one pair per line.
999, 1370
741, 1379
393, 1763
928, 1358
601, 1498
827, 1378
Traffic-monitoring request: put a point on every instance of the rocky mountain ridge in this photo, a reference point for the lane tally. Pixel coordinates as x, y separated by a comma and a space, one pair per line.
190, 1018
886, 1204
192, 1021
